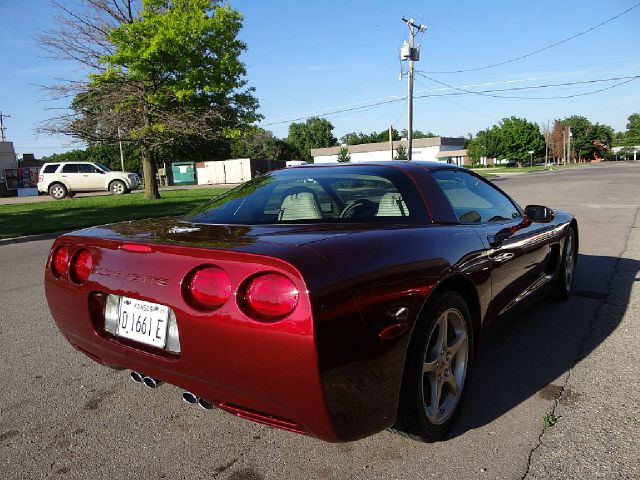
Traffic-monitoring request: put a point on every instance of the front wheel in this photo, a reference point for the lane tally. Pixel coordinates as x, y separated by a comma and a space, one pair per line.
436, 368
566, 272
117, 187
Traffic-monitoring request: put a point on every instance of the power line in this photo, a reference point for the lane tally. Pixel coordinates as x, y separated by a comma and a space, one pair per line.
487, 93
470, 92
547, 47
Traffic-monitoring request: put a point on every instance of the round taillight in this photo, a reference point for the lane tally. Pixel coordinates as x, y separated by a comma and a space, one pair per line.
60, 261
271, 296
81, 266
208, 288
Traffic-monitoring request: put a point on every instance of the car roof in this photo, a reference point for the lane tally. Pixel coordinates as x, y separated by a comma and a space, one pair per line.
403, 164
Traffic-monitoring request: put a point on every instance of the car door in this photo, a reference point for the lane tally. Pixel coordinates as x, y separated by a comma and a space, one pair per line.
517, 252
92, 177
71, 176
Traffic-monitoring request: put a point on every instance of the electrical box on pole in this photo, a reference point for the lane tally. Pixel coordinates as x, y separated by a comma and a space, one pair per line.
409, 52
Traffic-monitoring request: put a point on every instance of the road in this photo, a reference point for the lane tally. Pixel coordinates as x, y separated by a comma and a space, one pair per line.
63, 416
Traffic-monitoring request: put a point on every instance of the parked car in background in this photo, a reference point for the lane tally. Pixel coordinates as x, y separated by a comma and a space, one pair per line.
330, 300
68, 178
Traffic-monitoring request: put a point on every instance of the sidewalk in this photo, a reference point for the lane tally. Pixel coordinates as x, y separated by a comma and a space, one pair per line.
598, 410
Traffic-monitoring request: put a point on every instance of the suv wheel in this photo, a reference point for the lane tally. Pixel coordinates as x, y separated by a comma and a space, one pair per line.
58, 191
117, 187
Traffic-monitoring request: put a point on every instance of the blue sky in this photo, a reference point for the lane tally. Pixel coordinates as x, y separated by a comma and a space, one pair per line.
309, 58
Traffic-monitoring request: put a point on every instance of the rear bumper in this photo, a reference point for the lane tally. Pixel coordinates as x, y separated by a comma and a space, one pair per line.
264, 372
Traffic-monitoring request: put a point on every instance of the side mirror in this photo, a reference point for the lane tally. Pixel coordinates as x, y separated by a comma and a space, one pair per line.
539, 213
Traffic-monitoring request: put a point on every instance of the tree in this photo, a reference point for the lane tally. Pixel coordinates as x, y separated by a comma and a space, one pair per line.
588, 141
353, 138
262, 144
343, 155
108, 155
418, 134
401, 153
316, 132
162, 72
487, 143
518, 137
632, 135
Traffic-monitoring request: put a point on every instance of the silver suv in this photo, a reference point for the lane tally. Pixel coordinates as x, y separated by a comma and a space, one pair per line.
67, 178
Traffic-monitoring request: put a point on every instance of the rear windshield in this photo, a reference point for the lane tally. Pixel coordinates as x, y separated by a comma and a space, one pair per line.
318, 195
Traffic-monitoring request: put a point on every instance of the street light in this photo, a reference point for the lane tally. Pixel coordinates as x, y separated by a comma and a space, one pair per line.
531, 157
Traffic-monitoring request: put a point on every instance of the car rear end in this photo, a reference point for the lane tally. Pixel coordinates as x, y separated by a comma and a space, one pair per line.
245, 345
46, 175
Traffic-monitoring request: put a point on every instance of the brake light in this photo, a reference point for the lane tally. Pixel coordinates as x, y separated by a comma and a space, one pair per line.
81, 266
208, 288
271, 296
60, 261
40, 177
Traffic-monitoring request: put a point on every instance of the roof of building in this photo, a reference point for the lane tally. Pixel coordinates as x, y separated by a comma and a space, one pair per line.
452, 153
384, 146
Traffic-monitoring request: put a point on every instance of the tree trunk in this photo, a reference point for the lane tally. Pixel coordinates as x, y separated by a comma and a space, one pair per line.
149, 171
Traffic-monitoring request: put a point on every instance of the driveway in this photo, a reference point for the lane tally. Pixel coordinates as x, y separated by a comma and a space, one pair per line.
63, 416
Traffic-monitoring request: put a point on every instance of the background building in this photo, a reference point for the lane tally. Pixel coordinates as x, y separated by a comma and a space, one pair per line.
423, 149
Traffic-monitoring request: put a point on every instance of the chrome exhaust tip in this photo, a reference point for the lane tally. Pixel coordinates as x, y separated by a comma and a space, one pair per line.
189, 398
137, 377
204, 404
151, 382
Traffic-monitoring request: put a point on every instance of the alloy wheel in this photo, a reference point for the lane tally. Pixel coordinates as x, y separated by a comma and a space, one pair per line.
445, 366
569, 260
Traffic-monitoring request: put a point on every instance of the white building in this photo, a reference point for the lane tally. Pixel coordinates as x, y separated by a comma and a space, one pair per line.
423, 149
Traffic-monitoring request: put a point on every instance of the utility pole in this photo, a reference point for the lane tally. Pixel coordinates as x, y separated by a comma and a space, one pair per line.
121, 151
564, 146
569, 144
411, 53
2, 127
391, 140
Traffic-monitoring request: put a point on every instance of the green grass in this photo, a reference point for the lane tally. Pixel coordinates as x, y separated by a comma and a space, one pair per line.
73, 213
488, 171
549, 420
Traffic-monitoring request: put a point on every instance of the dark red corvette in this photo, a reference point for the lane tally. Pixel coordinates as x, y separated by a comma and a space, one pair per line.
334, 301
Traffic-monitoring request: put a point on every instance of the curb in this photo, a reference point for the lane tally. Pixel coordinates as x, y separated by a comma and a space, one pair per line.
31, 238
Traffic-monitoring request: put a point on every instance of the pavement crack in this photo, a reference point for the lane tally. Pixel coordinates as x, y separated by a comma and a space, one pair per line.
583, 345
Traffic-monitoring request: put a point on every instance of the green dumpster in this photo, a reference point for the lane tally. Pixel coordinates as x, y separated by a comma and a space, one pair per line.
184, 173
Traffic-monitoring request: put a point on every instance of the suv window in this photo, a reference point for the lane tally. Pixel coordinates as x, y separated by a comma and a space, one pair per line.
475, 200
70, 168
88, 168
51, 168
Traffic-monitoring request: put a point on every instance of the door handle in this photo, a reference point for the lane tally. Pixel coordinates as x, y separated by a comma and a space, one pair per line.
503, 257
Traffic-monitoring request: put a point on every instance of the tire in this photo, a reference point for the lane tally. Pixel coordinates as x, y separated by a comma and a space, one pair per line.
433, 365
566, 271
58, 191
118, 187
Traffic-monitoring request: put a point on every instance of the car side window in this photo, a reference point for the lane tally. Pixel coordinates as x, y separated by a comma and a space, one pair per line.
87, 168
474, 200
50, 168
70, 168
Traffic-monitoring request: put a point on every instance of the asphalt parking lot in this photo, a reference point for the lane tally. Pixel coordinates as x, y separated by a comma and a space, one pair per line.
63, 416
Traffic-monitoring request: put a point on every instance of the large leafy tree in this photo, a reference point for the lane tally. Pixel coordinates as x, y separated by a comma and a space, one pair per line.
632, 135
588, 141
261, 144
519, 137
316, 132
163, 72
487, 143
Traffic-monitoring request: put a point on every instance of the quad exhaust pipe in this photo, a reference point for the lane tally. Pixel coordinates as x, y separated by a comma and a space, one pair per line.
192, 399
149, 382
188, 397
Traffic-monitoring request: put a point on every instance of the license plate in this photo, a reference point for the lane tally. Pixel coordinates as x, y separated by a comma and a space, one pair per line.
144, 322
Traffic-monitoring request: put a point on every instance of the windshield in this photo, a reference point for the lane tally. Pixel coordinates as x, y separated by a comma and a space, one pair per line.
318, 195
102, 167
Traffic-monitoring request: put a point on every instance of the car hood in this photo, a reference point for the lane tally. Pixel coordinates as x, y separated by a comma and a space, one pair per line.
175, 231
